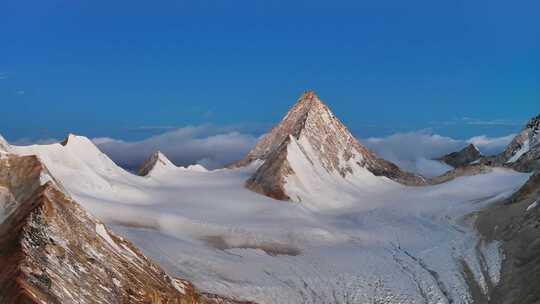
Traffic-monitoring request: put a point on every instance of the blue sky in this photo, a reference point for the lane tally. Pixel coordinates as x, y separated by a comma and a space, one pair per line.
131, 69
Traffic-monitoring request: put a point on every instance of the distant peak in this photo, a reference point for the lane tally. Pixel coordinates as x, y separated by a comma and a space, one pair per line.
156, 160
472, 147
159, 154
73, 138
462, 157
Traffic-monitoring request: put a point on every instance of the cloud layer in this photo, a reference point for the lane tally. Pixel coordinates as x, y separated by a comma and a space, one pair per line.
215, 147
184, 146
416, 151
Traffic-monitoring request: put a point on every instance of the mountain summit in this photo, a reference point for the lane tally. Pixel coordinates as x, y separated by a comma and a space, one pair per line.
463, 157
311, 138
157, 161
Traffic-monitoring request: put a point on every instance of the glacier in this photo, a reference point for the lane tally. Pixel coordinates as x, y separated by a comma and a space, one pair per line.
375, 242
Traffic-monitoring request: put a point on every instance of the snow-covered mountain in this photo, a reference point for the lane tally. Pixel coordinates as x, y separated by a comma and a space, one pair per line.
159, 164
156, 163
407, 244
311, 148
357, 237
53, 251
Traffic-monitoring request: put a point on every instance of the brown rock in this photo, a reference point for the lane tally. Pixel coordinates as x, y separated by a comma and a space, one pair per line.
463, 157
53, 251
333, 144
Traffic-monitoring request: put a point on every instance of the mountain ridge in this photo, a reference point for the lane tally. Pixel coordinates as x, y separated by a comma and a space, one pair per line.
53, 251
314, 127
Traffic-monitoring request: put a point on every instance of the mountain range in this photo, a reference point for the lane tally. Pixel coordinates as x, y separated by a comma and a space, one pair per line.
310, 215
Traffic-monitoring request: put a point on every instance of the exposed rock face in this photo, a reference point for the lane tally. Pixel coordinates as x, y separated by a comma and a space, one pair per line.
157, 161
269, 179
523, 153
4, 146
53, 251
463, 157
324, 140
516, 222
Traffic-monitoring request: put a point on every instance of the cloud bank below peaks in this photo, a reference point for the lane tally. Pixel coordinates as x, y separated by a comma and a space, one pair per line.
184, 146
416, 151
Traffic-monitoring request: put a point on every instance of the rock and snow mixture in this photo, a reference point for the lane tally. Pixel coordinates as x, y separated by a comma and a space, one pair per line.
54, 251
348, 235
526, 142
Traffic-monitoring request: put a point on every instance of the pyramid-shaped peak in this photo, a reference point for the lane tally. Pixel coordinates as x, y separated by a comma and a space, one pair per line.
463, 157
472, 147
310, 98
156, 161
159, 155
308, 104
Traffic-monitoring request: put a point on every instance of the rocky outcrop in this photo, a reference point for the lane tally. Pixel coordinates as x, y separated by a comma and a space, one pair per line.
158, 161
4, 146
523, 152
463, 157
529, 161
324, 142
53, 251
467, 170
269, 179
516, 223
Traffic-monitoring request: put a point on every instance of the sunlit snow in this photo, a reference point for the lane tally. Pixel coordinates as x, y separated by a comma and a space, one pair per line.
368, 239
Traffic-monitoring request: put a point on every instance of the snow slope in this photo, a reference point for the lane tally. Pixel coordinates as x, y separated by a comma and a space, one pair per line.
157, 163
312, 136
373, 241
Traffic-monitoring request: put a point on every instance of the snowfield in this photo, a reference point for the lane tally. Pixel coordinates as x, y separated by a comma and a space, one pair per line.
368, 240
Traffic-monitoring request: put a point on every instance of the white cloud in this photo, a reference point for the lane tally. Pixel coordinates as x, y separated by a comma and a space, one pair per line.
416, 151
215, 147
184, 146
491, 145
